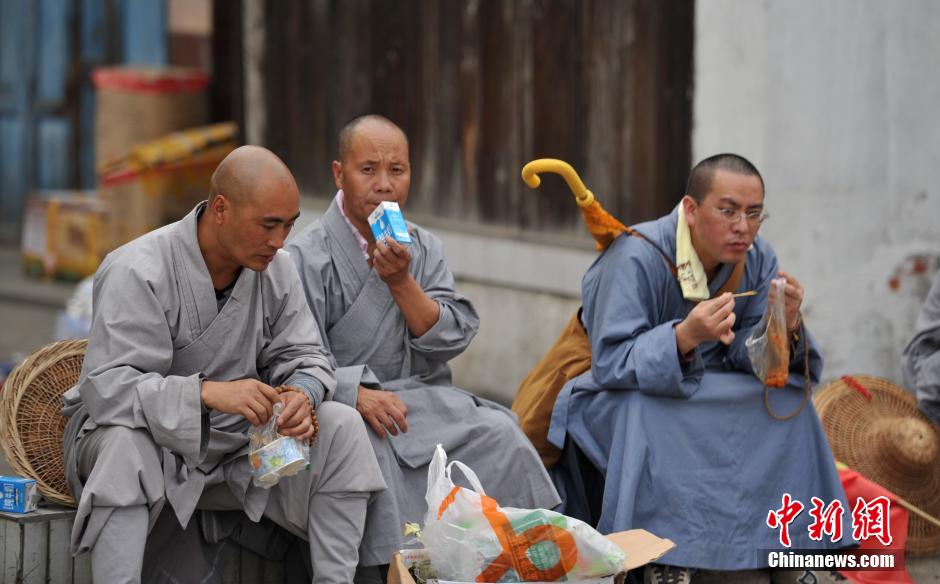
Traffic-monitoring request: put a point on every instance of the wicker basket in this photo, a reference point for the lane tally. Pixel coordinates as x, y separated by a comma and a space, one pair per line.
890, 442
31, 426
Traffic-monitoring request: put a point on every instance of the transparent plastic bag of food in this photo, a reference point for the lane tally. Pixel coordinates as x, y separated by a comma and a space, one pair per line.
273, 455
768, 345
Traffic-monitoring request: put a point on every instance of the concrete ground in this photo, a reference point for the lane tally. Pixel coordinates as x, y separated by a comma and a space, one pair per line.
28, 307
28, 312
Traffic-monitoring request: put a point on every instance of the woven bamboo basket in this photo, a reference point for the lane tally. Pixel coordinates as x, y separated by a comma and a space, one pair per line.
890, 442
31, 427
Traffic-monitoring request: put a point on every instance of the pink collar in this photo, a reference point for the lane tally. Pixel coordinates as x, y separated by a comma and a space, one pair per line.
363, 244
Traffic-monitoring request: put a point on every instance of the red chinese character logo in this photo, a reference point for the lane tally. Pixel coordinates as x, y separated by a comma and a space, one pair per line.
827, 521
872, 519
781, 518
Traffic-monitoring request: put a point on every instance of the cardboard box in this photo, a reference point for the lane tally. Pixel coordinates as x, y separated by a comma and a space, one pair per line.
63, 234
137, 103
141, 200
161, 181
640, 546
18, 494
387, 221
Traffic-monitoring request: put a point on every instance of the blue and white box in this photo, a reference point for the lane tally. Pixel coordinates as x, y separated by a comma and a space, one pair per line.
387, 221
20, 494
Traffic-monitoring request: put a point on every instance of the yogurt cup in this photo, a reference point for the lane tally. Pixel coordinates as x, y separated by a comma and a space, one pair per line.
280, 458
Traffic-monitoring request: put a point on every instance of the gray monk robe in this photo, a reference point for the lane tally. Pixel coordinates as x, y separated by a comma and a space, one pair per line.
139, 433
368, 336
921, 358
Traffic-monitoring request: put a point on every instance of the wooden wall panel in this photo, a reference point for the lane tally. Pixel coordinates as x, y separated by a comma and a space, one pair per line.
483, 86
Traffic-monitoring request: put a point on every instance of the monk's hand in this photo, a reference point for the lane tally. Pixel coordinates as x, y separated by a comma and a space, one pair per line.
391, 260
710, 320
246, 397
792, 300
295, 415
383, 410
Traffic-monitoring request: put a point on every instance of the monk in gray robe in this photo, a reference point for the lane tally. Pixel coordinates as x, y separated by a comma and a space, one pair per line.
921, 358
392, 319
194, 325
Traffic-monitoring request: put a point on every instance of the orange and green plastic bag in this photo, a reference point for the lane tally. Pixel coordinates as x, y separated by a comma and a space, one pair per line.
470, 538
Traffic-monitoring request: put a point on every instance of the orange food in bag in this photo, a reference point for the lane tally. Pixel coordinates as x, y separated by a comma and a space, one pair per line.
778, 371
768, 347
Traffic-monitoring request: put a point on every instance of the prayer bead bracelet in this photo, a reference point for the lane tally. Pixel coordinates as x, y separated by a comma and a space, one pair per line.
313, 411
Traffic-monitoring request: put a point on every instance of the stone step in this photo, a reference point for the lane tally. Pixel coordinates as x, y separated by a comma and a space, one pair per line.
34, 549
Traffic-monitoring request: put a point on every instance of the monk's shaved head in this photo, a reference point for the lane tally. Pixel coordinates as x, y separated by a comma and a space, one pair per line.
240, 174
349, 131
253, 204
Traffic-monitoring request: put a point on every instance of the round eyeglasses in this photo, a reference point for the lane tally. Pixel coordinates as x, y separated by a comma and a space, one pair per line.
732, 216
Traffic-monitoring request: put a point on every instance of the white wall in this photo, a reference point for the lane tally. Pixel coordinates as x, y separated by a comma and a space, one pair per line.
834, 101
525, 294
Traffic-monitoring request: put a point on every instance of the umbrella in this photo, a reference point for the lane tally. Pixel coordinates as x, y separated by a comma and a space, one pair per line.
602, 225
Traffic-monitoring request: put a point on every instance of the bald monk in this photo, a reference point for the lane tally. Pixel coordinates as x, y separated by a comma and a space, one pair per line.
393, 319
194, 326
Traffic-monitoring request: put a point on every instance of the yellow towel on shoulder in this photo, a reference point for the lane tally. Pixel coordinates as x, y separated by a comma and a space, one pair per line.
691, 275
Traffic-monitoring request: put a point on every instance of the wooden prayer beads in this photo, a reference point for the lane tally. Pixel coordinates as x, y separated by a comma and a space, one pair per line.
313, 413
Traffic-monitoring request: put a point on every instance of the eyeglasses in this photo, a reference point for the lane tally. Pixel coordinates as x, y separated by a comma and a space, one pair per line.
732, 216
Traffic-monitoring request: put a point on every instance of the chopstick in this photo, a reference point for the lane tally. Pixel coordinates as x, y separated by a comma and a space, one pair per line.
748, 293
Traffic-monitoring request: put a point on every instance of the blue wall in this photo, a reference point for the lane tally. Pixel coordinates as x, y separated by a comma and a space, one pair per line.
48, 49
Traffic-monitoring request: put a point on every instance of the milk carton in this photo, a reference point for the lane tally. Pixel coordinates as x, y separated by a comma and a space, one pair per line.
18, 494
387, 221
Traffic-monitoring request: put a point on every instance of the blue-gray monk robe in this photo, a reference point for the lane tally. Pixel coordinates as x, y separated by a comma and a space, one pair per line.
687, 447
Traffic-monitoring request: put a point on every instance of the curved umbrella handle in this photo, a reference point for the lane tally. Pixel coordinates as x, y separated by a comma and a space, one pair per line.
531, 170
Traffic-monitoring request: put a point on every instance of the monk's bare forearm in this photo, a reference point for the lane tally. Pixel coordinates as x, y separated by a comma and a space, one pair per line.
420, 312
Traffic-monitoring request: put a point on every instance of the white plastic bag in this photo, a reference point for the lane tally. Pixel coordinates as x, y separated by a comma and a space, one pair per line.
471, 538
